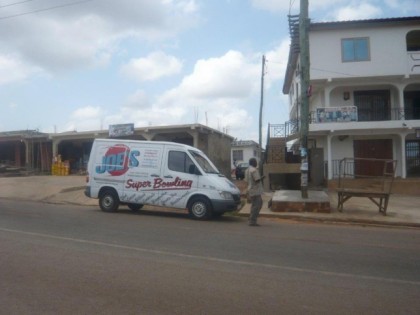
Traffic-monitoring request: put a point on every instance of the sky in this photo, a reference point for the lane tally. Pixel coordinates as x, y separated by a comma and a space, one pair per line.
74, 65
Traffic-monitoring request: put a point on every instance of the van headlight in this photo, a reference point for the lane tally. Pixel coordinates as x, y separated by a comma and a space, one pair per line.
226, 195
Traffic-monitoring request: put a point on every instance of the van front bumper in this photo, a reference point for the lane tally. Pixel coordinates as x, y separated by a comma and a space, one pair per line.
221, 206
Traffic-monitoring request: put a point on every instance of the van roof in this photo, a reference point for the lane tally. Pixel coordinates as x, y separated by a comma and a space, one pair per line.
186, 146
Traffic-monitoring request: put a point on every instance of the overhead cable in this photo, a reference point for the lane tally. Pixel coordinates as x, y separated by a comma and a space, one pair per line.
15, 3
45, 9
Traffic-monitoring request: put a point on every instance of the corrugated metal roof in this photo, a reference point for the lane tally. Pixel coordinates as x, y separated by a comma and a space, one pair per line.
244, 143
364, 23
23, 133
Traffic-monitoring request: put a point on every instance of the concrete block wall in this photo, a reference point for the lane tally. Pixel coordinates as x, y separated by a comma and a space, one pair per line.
219, 152
278, 168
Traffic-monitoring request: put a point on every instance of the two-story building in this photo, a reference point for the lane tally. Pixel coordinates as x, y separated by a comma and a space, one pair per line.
365, 91
243, 150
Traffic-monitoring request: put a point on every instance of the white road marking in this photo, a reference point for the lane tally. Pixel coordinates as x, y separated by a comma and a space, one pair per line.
215, 259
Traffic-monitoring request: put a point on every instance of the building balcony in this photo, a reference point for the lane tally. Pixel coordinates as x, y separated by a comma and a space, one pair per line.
361, 120
364, 114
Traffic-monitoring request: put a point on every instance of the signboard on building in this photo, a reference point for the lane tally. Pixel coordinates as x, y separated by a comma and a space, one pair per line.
336, 114
121, 130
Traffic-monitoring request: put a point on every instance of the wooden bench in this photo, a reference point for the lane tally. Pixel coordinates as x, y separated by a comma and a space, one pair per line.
369, 178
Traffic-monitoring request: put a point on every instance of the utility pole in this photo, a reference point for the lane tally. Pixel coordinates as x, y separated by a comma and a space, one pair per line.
305, 93
261, 106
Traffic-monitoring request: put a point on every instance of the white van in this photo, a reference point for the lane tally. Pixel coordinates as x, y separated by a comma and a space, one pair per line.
138, 173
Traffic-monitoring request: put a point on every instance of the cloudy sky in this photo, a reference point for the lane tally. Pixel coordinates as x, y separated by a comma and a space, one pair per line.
83, 65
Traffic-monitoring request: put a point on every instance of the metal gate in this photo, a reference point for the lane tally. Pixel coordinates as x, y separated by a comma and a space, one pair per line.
412, 154
373, 105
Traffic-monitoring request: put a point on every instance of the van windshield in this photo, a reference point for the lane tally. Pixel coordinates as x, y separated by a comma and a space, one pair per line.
204, 163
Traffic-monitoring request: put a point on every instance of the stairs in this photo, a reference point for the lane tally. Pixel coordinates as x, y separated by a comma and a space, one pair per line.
278, 173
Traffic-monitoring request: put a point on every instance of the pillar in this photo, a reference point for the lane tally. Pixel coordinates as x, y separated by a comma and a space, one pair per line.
27, 153
329, 157
401, 104
18, 162
55, 144
327, 92
403, 157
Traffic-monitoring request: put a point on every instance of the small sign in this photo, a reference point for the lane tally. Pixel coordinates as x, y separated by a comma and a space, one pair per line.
304, 179
309, 91
336, 114
121, 130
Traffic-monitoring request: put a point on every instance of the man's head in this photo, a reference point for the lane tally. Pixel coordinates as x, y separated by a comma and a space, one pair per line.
253, 162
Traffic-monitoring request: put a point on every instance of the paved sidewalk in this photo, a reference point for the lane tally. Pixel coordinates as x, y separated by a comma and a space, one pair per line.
52, 189
402, 210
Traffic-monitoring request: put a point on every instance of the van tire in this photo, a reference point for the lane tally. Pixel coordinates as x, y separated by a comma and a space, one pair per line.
200, 208
134, 206
109, 201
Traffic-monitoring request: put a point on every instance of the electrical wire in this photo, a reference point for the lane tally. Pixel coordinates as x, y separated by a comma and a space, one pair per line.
291, 3
45, 9
335, 72
10, 4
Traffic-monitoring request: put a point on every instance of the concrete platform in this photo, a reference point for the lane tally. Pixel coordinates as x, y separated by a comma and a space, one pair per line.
292, 201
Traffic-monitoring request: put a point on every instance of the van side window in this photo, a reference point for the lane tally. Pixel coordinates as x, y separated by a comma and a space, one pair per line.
179, 161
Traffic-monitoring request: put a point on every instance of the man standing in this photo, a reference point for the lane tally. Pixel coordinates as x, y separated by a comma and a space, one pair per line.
255, 190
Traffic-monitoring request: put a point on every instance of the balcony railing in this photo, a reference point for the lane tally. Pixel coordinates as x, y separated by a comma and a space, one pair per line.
276, 131
376, 114
291, 127
285, 130
410, 114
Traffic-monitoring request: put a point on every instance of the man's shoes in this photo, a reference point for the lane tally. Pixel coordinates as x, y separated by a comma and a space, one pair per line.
254, 224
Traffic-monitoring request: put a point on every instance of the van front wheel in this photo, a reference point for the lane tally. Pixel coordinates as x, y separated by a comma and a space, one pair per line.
108, 201
199, 208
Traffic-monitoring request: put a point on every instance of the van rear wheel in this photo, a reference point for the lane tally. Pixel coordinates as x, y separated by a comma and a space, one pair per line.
199, 208
108, 201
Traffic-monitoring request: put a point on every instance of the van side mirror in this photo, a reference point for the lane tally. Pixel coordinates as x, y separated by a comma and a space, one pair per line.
194, 170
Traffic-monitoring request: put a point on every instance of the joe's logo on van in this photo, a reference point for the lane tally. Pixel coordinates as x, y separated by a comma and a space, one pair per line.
117, 160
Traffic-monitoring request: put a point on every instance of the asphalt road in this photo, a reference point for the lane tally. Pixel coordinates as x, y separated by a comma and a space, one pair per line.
58, 259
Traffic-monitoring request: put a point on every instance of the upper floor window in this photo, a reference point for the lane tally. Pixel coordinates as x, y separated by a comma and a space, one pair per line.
238, 155
355, 49
413, 41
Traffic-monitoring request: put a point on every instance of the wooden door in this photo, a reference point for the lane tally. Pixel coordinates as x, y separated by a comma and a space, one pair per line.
372, 149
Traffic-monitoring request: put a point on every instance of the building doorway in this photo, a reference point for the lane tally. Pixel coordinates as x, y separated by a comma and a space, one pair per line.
412, 105
372, 149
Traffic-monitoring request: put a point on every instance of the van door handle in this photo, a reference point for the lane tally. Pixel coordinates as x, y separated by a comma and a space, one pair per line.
167, 176
154, 175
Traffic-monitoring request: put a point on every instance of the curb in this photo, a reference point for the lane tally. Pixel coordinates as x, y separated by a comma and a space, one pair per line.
70, 189
336, 220
288, 216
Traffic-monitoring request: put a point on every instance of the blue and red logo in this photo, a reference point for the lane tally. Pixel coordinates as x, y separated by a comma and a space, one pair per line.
117, 160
